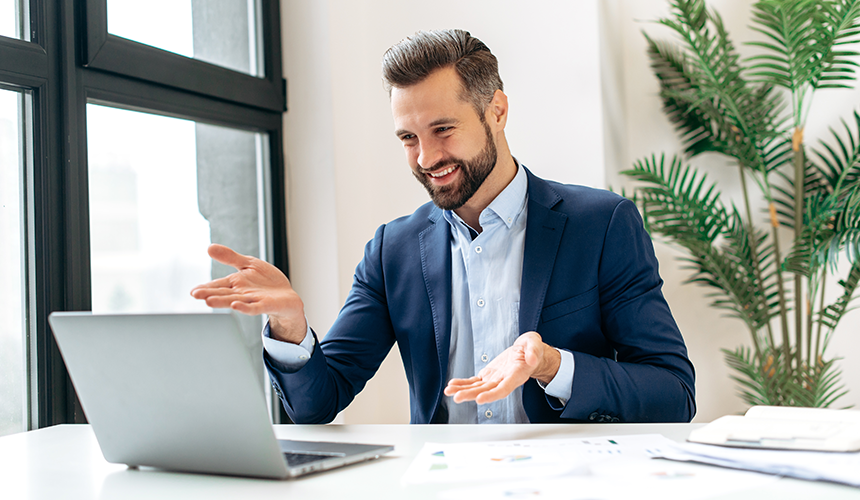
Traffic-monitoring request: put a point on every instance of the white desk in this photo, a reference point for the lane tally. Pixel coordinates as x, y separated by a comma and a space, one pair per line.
64, 462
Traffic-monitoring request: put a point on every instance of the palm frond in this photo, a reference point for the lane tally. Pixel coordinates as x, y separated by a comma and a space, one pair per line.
841, 18
793, 31
821, 385
761, 380
696, 129
739, 114
802, 43
811, 247
840, 164
785, 191
765, 381
833, 313
678, 202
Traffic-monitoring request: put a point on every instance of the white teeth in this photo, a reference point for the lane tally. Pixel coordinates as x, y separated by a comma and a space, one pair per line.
443, 172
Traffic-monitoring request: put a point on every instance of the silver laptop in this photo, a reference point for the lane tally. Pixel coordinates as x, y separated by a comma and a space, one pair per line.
181, 392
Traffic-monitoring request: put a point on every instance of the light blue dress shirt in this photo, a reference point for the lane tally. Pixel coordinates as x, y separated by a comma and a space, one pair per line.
486, 276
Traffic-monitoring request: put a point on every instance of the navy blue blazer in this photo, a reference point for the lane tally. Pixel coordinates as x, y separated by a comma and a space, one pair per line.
589, 285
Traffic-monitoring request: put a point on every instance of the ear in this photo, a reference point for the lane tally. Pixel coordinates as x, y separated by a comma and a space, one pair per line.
497, 111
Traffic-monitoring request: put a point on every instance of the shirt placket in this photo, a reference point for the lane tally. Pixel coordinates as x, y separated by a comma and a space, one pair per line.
477, 270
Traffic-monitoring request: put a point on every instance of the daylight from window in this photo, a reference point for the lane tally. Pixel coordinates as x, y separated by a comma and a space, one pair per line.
148, 239
221, 32
165, 24
12, 293
9, 18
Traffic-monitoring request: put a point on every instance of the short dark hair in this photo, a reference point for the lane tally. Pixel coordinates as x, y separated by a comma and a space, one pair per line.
413, 59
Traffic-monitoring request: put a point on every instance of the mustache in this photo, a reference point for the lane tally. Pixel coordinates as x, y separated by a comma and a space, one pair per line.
441, 164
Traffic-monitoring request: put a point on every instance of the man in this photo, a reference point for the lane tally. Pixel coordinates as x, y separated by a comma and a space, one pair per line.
511, 298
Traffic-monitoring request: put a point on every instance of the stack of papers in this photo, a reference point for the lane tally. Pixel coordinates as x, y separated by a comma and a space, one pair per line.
813, 465
804, 443
785, 428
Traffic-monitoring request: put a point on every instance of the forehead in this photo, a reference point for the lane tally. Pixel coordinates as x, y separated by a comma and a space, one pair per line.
438, 95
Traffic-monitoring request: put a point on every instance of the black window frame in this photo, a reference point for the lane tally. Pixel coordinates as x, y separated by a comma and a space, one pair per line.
62, 70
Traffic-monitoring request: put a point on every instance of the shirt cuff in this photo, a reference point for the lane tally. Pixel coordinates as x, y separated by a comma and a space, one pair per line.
562, 384
292, 356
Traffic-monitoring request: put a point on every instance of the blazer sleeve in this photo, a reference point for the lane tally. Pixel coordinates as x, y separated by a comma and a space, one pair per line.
349, 355
651, 378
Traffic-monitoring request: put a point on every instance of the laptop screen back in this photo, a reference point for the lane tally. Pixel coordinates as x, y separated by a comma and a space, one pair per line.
173, 391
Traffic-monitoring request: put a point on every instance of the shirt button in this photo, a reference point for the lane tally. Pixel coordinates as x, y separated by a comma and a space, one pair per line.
478, 249
303, 357
510, 220
488, 413
480, 302
485, 358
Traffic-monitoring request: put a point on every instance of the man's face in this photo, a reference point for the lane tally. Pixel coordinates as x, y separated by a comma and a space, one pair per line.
449, 146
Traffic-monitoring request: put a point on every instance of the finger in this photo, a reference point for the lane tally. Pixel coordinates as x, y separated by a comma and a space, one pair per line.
458, 385
228, 256
450, 390
463, 381
205, 293
225, 301
252, 305
218, 283
498, 392
473, 393
465, 384
250, 309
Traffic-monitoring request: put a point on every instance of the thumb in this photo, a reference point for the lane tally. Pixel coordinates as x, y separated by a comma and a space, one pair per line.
531, 344
228, 256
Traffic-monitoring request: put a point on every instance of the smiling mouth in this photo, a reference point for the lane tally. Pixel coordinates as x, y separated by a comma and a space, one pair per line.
443, 173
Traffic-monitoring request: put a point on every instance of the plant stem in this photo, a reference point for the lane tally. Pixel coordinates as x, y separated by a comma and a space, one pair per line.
814, 359
799, 194
754, 253
783, 315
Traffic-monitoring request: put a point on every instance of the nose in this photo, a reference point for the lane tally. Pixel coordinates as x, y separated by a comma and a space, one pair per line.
429, 154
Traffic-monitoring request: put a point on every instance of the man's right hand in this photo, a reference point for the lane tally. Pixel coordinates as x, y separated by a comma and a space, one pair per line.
256, 287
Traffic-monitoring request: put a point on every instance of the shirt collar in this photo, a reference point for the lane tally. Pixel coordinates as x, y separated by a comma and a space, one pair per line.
508, 205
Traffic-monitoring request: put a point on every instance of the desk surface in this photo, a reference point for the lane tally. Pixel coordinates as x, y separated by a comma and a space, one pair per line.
65, 462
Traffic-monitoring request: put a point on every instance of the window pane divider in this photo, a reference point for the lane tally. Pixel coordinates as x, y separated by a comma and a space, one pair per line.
108, 52
23, 57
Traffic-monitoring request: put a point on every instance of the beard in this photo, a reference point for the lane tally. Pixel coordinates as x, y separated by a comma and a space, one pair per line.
474, 172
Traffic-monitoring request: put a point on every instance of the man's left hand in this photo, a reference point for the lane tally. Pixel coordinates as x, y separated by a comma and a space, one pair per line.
528, 358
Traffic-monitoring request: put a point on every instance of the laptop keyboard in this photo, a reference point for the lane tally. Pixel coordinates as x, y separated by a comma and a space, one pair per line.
294, 459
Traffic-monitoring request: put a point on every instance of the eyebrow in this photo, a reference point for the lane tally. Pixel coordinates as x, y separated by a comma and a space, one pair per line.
434, 123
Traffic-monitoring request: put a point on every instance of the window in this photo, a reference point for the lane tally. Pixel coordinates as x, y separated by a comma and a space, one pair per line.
13, 293
123, 154
13, 18
220, 32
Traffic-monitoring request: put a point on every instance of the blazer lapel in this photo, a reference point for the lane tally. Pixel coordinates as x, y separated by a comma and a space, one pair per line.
543, 236
435, 247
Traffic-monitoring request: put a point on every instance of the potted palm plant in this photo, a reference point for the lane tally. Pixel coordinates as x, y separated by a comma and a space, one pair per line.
769, 267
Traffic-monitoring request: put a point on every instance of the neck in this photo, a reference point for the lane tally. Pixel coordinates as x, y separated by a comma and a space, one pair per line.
502, 175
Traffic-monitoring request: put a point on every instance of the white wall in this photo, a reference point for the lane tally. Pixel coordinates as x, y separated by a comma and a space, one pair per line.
347, 174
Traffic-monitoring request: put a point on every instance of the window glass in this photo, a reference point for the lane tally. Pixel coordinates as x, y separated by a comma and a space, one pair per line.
221, 32
160, 191
13, 373
13, 14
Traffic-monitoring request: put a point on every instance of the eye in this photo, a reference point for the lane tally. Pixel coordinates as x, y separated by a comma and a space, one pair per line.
440, 130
